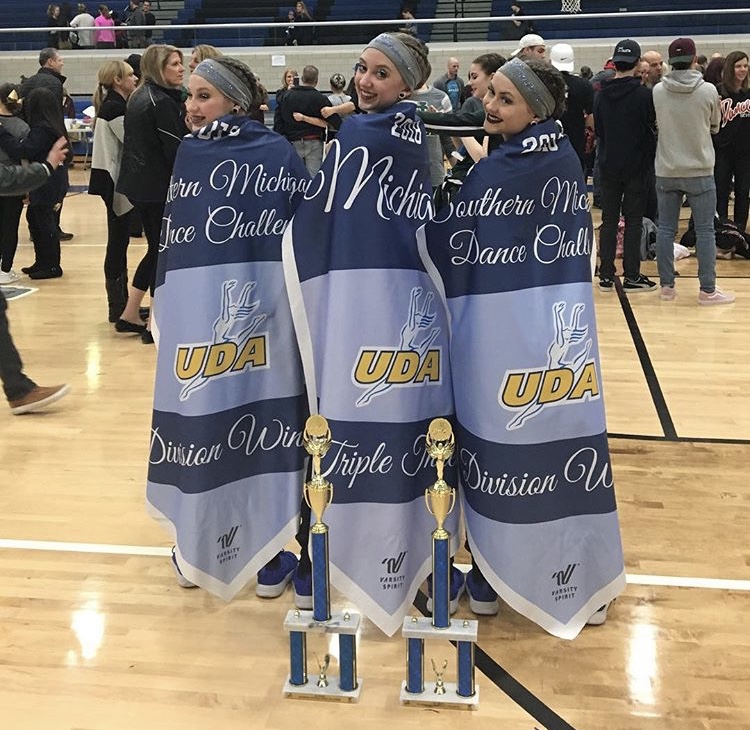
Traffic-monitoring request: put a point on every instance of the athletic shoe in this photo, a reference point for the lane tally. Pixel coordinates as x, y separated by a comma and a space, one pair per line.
599, 616
274, 576
715, 297
53, 272
641, 284
482, 597
37, 398
182, 581
668, 293
302, 589
65, 236
8, 277
606, 283
458, 584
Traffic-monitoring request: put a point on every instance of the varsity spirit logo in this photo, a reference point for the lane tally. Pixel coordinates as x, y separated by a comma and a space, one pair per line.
394, 575
564, 588
228, 549
236, 346
570, 375
414, 361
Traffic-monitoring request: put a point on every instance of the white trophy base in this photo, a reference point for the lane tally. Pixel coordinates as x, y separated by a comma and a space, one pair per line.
341, 622
450, 697
420, 627
330, 692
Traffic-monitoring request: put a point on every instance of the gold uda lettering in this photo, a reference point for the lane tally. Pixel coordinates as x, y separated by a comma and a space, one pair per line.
225, 357
546, 387
397, 367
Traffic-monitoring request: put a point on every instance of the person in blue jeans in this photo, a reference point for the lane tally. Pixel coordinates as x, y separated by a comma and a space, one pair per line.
687, 114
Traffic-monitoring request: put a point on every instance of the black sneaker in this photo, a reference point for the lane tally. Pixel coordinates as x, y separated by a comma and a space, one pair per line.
606, 283
641, 284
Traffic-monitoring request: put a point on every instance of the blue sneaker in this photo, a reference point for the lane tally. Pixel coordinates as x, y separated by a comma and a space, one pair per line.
182, 581
482, 597
302, 590
274, 576
458, 583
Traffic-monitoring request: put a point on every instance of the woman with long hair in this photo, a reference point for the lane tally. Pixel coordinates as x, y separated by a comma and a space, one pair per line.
115, 83
732, 142
53, 23
362, 300
202, 52
154, 127
105, 28
511, 254
42, 110
235, 186
11, 206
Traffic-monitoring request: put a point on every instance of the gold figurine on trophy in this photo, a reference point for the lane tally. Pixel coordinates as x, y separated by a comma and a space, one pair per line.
318, 491
440, 498
439, 683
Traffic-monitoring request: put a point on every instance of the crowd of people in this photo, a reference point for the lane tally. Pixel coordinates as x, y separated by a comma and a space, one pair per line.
388, 190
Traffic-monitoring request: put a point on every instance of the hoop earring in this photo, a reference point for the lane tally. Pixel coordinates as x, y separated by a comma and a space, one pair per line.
402, 95
235, 109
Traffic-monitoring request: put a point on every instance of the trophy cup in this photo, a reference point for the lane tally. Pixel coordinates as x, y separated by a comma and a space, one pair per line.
440, 500
318, 493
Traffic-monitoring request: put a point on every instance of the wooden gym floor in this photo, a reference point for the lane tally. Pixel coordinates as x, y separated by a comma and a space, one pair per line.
96, 635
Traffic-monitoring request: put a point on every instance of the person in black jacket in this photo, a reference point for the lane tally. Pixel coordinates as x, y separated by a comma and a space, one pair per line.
49, 75
625, 126
23, 394
46, 127
732, 142
154, 128
116, 82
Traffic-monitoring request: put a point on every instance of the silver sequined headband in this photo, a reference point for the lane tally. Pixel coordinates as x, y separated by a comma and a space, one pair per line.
530, 86
400, 55
226, 82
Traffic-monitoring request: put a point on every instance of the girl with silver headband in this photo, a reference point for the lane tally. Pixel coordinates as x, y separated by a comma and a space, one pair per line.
359, 295
228, 373
512, 254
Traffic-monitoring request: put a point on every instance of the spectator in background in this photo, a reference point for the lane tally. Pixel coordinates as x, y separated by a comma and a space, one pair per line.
580, 99
655, 68
732, 143
150, 19
702, 62
451, 83
586, 73
64, 22
201, 52
407, 14
530, 46
83, 24
643, 69
135, 17
714, 70
53, 25
105, 28
300, 35
519, 26
49, 75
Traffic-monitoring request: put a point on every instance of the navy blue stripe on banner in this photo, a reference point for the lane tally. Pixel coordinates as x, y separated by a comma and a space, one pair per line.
532, 483
259, 438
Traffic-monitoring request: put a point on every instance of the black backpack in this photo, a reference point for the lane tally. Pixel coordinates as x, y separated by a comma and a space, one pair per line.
730, 240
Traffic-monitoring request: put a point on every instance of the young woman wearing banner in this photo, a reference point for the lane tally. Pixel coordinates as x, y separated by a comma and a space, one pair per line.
512, 254
373, 341
226, 463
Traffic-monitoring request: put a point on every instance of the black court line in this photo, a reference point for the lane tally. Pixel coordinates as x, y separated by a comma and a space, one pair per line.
680, 439
506, 683
657, 396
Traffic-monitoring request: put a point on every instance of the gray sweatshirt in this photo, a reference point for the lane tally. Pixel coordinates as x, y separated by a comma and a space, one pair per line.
687, 114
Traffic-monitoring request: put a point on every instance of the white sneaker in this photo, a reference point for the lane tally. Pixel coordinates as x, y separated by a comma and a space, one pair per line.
599, 616
8, 277
715, 297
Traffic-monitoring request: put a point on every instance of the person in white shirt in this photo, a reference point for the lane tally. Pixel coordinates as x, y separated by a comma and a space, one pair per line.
83, 24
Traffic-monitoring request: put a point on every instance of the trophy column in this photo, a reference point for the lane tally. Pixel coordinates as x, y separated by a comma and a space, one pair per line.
318, 494
440, 500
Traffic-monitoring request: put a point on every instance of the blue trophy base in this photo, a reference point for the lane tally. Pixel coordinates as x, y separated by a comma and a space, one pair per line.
450, 697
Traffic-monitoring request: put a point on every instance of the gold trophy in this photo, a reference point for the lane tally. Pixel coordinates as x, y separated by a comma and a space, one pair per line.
318, 491
440, 498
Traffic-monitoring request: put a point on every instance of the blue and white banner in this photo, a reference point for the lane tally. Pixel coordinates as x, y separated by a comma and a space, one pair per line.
374, 341
511, 254
226, 464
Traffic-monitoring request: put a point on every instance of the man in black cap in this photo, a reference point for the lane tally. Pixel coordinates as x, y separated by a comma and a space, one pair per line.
625, 124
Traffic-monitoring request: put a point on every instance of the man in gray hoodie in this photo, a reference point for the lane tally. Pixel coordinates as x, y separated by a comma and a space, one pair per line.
687, 114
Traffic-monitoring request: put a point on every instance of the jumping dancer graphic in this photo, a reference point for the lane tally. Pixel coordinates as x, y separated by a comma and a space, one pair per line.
419, 319
231, 314
566, 337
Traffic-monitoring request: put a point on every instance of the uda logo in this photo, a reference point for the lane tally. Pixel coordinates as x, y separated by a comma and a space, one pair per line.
235, 347
378, 369
570, 375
